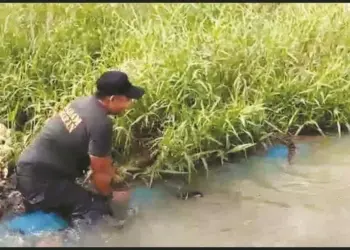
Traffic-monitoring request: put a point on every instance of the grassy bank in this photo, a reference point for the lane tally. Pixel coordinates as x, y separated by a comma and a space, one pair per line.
219, 77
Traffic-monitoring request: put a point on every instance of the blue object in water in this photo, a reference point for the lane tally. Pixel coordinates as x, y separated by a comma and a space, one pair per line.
277, 151
281, 151
37, 222
145, 195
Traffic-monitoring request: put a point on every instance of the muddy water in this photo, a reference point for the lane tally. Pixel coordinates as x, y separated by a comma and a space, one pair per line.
258, 202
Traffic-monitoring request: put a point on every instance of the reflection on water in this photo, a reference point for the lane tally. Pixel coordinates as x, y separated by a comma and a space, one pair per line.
254, 203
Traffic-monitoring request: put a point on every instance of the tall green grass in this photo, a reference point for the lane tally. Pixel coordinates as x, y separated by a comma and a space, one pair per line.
219, 77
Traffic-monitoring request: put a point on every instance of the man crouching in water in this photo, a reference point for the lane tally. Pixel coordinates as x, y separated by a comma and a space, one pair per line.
79, 136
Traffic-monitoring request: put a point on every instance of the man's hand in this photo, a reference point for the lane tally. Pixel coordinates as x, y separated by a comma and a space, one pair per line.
102, 183
102, 174
105, 177
116, 176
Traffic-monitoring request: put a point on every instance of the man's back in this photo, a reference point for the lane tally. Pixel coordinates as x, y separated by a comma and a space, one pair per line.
66, 139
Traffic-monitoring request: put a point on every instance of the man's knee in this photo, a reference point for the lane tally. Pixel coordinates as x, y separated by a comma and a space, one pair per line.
83, 203
64, 197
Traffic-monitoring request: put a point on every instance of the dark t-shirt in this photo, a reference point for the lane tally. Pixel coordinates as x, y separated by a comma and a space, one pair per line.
67, 139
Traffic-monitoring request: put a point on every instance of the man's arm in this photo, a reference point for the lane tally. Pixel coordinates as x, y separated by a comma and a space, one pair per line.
102, 173
100, 159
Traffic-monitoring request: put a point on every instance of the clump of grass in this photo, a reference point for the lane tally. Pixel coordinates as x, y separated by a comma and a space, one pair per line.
219, 77
6, 149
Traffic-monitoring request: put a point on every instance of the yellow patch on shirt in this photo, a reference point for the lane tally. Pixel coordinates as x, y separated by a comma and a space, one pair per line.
70, 119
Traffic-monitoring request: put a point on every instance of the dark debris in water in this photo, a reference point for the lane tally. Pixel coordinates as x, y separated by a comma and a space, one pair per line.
11, 200
189, 194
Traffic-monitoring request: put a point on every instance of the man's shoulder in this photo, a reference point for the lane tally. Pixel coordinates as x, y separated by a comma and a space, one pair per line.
93, 113
89, 107
104, 122
86, 100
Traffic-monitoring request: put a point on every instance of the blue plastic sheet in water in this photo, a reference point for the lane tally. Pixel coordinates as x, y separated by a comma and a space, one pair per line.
36, 222
281, 151
39, 221
145, 195
277, 151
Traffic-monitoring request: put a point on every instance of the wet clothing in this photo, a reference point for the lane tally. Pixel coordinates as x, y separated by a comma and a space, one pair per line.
47, 169
62, 196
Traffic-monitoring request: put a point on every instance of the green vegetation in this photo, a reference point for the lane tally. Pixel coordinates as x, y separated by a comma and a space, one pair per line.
219, 77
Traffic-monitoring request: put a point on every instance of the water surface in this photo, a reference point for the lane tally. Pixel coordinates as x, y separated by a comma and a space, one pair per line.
258, 202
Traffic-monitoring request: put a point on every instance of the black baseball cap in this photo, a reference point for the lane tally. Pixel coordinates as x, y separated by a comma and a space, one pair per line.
117, 83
